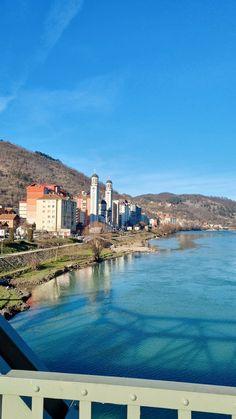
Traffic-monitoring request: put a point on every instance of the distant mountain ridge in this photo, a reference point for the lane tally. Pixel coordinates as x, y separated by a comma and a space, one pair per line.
20, 167
195, 207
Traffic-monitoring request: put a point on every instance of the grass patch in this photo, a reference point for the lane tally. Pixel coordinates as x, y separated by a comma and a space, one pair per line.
17, 246
35, 276
9, 297
44, 243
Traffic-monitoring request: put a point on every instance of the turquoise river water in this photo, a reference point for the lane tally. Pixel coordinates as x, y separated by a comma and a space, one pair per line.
169, 315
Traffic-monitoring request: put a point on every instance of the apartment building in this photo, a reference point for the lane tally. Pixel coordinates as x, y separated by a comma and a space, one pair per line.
23, 209
35, 191
83, 209
57, 214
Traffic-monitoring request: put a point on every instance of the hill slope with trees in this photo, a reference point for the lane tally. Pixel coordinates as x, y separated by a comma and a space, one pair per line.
20, 167
197, 208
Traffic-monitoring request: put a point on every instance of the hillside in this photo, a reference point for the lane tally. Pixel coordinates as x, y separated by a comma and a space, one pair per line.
196, 208
20, 167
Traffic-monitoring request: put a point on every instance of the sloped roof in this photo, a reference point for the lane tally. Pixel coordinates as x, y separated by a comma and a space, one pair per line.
8, 217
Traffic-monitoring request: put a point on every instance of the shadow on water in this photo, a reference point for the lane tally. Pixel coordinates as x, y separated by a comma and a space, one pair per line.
167, 342
174, 341
89, 325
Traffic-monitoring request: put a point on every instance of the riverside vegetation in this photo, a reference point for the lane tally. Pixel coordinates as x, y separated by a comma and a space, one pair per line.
16, 285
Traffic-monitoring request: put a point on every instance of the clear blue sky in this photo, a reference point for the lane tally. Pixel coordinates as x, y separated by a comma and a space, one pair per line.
143, 91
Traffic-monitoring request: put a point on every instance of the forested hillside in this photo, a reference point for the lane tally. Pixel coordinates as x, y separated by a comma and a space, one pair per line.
20, 167
198, 208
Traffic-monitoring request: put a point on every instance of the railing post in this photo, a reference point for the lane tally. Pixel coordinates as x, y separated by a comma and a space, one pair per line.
85, 409
184, 414
14, 407
133, 412
37, 408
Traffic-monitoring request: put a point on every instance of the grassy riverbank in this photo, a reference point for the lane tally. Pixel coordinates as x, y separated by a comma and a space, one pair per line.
84, 256
13, 300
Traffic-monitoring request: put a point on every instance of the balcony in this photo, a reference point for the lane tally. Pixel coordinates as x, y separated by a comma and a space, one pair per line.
87, 389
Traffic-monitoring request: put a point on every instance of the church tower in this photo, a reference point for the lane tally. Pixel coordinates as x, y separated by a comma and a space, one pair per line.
94, 198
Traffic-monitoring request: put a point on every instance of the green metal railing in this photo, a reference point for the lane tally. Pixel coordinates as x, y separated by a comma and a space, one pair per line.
86, 389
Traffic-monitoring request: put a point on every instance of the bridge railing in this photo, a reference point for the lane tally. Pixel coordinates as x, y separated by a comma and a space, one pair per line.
86, 389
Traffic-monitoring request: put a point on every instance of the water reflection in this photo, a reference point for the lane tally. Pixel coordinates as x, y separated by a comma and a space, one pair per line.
94, 282
181, 241
187, 241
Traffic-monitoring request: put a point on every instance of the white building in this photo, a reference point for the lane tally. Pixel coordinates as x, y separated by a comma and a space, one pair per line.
56, 214
108, 199
94, 198
23, 209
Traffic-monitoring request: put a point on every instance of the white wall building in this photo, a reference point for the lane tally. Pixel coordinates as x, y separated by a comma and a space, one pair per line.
23, 209
56, 214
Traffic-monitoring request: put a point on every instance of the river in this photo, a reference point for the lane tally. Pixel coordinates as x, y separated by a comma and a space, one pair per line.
169, 315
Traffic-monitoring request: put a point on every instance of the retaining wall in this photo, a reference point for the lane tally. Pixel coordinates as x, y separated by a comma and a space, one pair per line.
19, 260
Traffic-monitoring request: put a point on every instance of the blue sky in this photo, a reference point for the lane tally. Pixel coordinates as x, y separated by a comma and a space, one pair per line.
143, 91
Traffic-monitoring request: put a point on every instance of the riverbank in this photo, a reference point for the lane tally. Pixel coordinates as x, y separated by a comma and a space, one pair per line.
22, 283
15, 289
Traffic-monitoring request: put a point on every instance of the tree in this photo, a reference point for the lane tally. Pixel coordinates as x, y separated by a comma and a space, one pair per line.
11, 235
97, 244
30, 234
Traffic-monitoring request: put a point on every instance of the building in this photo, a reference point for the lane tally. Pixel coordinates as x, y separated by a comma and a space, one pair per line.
55, 213
153, 222
144, 218
23, 209
10, 219
167, 219
108, 199
115, 213
6, 210
83, 209
102, 211
35, 191
134, 214
94, 198
123, 214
